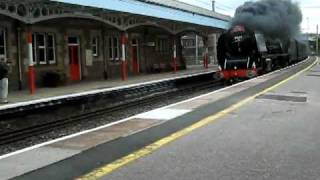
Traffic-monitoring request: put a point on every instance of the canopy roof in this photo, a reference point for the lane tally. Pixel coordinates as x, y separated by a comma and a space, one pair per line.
164, 9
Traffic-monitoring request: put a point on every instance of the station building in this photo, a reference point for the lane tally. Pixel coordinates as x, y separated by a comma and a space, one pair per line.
70, 40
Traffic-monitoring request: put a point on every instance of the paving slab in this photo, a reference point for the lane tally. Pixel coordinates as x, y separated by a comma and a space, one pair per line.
32, 160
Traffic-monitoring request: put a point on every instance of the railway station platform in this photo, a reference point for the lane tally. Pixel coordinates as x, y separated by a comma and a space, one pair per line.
263, 128
17, 98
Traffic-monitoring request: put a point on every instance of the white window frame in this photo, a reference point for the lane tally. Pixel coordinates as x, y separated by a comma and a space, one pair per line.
45, 48
95, 46
114, 48
4, 56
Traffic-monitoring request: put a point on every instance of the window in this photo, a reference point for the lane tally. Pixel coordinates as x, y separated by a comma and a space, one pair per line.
95, 46
40, 49
110, 48
189, 43
43, 48
74, 40
114, 48
162, 46
51, 56
134, 42
3, 47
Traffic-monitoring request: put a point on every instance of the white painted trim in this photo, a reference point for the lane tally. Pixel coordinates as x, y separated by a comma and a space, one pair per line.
30, 53
123, 52
174, 50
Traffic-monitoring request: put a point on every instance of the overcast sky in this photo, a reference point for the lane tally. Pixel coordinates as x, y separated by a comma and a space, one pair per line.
310, 10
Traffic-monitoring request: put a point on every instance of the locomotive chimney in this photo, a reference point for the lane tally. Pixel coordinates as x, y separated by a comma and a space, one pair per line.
213, 5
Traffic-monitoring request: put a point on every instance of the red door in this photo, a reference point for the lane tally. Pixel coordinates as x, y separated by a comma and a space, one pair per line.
75, 74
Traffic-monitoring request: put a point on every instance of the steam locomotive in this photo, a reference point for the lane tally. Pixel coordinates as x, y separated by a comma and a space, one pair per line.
243, 53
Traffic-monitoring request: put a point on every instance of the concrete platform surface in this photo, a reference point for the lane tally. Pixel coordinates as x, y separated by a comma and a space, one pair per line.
272, 137
78, 154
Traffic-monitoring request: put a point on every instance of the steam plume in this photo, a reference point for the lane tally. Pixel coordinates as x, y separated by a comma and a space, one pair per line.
274, 18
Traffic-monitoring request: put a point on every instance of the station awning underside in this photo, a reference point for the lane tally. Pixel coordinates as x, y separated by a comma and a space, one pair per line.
152, 10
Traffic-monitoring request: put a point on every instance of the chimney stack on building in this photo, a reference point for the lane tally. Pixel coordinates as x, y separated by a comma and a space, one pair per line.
213, 5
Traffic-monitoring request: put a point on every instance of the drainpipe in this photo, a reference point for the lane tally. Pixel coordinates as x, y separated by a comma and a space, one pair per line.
19, 57
197, 49
104, 54
124, 41
206, 52
31, 73
206, 57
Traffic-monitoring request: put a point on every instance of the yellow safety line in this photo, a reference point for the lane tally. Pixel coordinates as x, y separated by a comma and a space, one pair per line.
109, 168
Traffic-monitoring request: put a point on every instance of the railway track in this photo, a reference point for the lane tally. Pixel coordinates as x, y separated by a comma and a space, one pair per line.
137, 97
40, 129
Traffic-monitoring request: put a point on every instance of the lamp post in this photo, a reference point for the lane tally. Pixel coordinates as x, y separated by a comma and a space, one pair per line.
197, 49
317, 40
